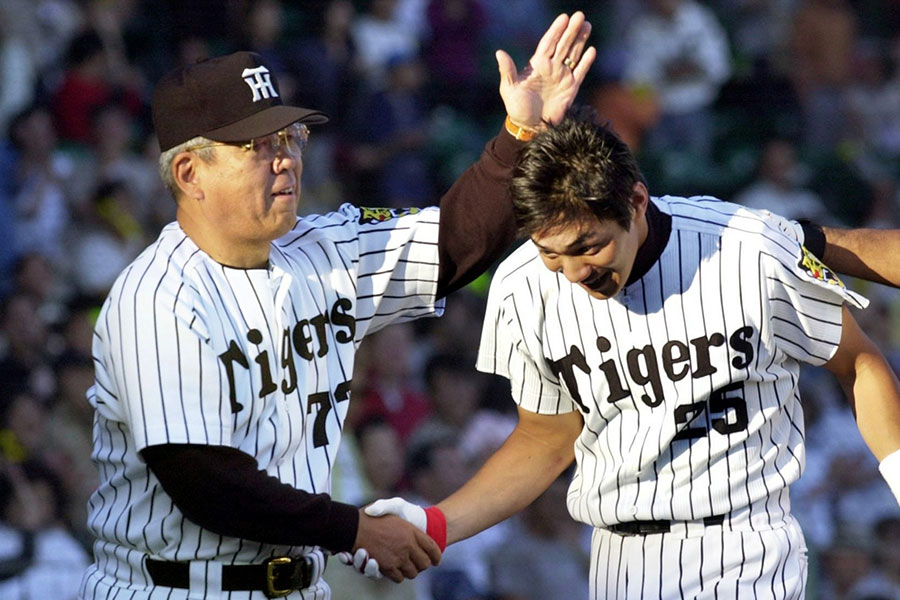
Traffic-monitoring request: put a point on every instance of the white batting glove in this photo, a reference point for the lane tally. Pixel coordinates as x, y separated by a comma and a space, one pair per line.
361, 561
412, 513
430, 520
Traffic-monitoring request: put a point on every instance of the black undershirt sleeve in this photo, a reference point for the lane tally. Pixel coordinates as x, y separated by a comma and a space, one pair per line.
223, 490
477, 224
813, 237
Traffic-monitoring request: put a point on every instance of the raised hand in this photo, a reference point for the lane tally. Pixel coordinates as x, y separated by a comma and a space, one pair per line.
545, 88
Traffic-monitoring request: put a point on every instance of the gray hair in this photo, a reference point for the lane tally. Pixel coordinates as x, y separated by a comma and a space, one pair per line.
207, 155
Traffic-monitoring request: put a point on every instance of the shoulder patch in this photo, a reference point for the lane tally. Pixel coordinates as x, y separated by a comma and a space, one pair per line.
816, 269
380, 215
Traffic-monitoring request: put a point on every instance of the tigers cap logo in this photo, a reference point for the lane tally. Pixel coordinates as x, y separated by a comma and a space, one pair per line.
232, 98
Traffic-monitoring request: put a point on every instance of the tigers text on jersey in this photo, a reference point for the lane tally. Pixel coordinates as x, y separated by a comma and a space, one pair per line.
188, 351
687, 379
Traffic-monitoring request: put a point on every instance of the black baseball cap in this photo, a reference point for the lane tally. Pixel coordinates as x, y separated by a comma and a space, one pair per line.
230, 98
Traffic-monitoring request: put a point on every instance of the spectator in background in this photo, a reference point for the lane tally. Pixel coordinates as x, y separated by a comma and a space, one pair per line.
77, 333
87, 84
779, 186
631, 110
543, 529
378, 37
872, 99
18, 65
69, 424
391, 390
40, 176
436, 467
841, 485
113, 157
453, 50
758, 28
679, 49
110, 237
392, 133
382, 455
411, 15
849, 570
822, 41
39, 557
39, 279
25, 360
453, 392
872, 135
515, 25
327, 56
458, 331
886, 533
264, 24
484, 434
23, 423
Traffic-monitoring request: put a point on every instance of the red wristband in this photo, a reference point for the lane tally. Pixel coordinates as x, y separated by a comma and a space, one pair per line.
436, 526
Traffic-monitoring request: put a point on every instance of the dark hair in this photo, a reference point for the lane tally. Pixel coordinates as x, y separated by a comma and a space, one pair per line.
20, 118
448, 362
368, 423
420, 456
34, 471
576, 170
83, 47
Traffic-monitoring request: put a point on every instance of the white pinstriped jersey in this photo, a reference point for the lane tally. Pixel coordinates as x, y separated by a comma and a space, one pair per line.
686, 379
188, 351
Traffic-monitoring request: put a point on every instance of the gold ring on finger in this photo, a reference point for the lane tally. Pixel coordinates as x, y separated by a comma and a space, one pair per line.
569, 62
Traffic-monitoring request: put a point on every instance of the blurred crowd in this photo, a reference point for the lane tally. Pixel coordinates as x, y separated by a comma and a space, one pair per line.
788, 105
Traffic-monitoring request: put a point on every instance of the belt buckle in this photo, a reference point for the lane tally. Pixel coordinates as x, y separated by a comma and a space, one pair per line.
271, 591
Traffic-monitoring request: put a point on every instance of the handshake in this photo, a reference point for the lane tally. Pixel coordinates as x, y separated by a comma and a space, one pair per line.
384, 548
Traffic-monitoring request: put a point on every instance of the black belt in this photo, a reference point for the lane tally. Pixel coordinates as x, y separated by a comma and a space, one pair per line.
278, 576
650, 527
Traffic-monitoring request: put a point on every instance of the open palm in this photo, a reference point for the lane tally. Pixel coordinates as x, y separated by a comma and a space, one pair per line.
545, 88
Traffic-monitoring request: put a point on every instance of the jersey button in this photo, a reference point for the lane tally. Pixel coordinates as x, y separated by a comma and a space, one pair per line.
633, 510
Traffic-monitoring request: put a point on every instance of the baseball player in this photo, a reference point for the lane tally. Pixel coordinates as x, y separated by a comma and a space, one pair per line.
224, 352
657, 342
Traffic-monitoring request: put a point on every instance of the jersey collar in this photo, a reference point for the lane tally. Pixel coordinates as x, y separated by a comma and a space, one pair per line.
659, 227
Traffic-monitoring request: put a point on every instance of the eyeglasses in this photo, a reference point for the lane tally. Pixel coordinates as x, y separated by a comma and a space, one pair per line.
291, 140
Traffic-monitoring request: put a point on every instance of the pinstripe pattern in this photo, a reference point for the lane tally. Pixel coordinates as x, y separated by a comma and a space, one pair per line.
687, 379
189, 351
716, 564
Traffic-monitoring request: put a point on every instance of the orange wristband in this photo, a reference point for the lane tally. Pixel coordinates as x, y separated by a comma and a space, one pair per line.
517, 131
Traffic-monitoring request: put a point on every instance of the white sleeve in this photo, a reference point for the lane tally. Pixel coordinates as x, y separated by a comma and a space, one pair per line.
507, 352
398, 266
170, 384
385, 258
806, 299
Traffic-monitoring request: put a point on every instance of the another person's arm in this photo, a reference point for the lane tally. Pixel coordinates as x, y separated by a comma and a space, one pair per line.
869, 254
531, 458
873, 392
223, 490
872, 254
534, 455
